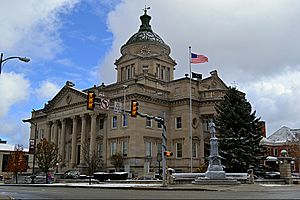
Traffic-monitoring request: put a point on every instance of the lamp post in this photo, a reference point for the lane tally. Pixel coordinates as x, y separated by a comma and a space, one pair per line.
35, 134
2, 61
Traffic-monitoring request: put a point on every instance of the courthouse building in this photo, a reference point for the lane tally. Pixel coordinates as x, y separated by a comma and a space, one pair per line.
145, 72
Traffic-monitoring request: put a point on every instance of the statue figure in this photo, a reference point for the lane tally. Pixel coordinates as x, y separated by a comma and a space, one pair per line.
212, 129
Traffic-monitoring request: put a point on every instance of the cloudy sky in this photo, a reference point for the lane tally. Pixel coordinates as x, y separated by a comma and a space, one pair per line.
254, 45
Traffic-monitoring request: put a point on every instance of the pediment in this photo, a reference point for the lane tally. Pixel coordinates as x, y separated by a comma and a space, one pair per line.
67, 96
214, 83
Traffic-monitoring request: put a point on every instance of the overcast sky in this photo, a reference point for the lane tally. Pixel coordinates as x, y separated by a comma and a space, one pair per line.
253, 44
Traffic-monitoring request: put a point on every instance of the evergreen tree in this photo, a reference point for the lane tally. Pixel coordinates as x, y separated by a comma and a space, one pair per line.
239, 132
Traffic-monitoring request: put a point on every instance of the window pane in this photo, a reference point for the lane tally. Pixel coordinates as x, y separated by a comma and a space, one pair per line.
194, 150
125, 120
178, 122
101, 123
124, 148
113, 147
159, 125
148, 149
178, 150
114, 122
148, 122
100, 150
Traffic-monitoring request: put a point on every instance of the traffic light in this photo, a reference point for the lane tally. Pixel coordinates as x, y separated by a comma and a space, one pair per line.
134, 108
168, 153
91, 100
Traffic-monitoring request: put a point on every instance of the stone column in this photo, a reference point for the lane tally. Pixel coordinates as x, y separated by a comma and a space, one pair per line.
48, 129
82, 138
285, 169
93, 132
55, 133
62, 139
74, 141
105, 151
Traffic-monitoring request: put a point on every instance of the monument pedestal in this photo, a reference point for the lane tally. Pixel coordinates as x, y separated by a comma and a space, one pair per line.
215, 174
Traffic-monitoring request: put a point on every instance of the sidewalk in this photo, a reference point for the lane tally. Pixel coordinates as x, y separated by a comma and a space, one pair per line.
191, 187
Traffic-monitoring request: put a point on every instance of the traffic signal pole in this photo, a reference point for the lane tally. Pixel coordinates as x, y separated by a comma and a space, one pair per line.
164, 149
133, 113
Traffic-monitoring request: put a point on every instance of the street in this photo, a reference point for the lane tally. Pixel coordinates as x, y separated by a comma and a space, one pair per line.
21, 192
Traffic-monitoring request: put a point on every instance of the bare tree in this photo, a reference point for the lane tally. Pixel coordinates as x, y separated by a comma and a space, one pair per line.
17, 161
117, 160
92, 160
47, 156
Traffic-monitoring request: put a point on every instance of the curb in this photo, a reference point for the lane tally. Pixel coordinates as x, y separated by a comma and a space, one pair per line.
120, 187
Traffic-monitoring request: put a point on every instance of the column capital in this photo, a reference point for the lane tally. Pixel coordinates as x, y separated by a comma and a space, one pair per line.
74, 117
83, 115
55, 122
94, 115
63, 121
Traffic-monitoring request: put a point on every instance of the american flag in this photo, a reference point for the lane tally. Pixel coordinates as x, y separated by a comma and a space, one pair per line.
195, 58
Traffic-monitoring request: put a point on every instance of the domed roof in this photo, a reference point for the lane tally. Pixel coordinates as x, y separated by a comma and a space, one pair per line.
145, 33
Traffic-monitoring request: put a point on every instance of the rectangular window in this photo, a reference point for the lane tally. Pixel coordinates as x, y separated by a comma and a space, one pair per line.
178, 150
168, 74
269, 151
149, 149
113, 148
162, 73
122, 74
132, 70
125, 120
275, 152
157, 70
124, 148
159, 125
148, 123
101, 123
178, 123
128, 72
114, 122
194, 150
100, 150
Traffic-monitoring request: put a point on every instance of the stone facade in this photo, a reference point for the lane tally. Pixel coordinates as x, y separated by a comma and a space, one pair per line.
145, 72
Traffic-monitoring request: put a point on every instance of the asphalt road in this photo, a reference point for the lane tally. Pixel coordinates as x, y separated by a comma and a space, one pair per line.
20, 192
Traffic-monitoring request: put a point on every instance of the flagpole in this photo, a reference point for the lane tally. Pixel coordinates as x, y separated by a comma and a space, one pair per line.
191, 135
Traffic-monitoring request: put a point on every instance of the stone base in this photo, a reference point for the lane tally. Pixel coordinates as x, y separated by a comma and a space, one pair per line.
219, 175
206, 181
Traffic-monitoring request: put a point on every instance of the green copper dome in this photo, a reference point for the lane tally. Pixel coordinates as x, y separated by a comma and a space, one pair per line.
145, 33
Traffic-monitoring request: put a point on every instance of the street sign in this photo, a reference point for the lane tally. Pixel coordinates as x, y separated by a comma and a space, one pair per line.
118, 107
104, 104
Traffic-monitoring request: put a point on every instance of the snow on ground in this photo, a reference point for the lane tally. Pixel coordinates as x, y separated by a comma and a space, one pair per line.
106, 184
273, 185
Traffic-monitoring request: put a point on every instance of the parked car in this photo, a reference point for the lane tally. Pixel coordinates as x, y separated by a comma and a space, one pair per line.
272, 175
71, 174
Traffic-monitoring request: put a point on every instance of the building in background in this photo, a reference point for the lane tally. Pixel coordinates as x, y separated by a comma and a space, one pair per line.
283, 139
5, 151
145, 73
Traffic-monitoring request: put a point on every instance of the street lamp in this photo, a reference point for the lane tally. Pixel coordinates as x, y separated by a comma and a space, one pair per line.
2, 61
34, 147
